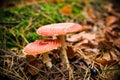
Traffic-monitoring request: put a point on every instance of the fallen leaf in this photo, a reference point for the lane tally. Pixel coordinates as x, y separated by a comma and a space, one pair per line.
86, 27
81, 36
30, 58
117, 44
111, 35
105, 62
82, 44
71, 53
108, 7
110, 20
33, 65
105, 45
91, 14
93, 50
66, 10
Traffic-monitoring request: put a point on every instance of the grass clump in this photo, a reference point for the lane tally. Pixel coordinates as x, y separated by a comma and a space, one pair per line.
19, 24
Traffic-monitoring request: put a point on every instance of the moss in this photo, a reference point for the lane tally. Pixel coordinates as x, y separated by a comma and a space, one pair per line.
29, 18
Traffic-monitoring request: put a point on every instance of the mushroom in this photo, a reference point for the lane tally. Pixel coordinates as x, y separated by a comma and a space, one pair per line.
42, 47
60, 30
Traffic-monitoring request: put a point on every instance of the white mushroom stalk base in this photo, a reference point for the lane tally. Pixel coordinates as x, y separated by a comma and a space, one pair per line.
63, 51
46, 59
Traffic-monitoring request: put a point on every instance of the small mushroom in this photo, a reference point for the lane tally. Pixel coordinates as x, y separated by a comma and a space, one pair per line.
42, 47
60, 30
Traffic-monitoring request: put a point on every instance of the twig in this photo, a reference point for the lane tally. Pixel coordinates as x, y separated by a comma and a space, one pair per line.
9, 23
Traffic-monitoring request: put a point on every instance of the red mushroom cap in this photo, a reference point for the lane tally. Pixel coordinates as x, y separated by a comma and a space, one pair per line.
59, 29
41, 46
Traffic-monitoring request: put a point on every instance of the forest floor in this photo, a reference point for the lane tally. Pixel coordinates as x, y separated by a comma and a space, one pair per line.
94, 53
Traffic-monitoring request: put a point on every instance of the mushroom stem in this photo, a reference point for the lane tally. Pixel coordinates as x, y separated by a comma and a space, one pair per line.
64, 52
47, 60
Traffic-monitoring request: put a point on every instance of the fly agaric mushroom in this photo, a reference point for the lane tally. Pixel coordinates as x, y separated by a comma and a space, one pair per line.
60, 30
42, 47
